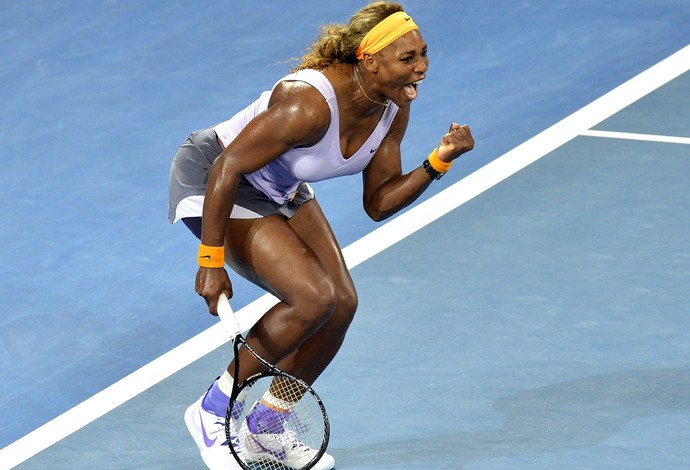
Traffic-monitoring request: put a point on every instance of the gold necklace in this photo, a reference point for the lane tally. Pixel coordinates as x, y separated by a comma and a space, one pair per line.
359, 82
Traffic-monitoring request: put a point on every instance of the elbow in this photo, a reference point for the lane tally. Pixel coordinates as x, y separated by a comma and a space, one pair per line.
377, 215
379, 209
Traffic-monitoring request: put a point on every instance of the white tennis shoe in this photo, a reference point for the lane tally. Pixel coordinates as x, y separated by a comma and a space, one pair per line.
208, 431
283, 448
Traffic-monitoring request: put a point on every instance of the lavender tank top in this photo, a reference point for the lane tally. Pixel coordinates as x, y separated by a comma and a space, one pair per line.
323, 160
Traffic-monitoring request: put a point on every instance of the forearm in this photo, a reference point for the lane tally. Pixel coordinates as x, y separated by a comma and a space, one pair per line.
397, 193
218, 202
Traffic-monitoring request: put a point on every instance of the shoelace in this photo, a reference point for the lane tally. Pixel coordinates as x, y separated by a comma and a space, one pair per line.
288, 439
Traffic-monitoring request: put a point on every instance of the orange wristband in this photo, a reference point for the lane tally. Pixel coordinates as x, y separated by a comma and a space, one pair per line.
436, 163
211, 256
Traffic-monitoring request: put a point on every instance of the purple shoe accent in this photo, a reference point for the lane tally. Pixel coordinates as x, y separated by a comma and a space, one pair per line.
207, 440
215, 401
237, 409
264, 420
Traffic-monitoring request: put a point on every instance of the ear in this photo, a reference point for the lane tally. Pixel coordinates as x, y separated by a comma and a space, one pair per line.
370, 63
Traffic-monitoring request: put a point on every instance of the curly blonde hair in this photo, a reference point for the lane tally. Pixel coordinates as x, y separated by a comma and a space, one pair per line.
337, 42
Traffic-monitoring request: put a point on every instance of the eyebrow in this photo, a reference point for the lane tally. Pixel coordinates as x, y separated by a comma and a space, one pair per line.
414, 51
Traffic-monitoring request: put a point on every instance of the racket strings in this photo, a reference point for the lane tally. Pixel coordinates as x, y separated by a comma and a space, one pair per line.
284, 393
282, 425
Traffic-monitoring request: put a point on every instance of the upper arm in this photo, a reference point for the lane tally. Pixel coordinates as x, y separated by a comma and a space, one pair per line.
297, 115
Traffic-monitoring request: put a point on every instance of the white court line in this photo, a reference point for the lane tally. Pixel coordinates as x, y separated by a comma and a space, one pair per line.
632, 136
356, 253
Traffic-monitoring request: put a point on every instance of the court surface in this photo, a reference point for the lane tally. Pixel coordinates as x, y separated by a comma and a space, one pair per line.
529, 312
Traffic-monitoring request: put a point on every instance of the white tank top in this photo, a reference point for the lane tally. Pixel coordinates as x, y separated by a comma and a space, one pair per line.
323, 160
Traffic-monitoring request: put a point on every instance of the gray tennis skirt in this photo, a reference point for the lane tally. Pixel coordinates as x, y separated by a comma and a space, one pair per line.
189, 179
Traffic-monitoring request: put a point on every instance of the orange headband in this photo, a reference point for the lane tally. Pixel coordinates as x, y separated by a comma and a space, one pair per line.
384, 33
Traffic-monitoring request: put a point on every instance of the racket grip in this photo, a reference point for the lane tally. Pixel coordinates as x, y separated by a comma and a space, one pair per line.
227, 317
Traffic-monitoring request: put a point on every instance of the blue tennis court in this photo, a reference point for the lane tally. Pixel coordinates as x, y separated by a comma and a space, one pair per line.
528, 312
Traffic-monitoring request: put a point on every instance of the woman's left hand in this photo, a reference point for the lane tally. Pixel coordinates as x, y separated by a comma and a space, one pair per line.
458, 140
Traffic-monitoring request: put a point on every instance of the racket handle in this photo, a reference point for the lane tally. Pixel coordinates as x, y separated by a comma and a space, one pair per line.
227, 317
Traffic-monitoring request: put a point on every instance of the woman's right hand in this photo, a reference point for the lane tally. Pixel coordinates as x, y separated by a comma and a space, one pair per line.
210, 283
458, 140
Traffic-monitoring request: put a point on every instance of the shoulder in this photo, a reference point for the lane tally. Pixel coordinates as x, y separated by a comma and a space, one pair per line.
301, 109
307, 84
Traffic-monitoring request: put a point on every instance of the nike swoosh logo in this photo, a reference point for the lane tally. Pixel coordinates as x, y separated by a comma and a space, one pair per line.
408, 18
373, 150
207, 440
205, 257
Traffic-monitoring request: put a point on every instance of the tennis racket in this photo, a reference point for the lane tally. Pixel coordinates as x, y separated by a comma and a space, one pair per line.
274, 420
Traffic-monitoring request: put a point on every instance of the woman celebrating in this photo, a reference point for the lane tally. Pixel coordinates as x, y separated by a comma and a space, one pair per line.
343, 110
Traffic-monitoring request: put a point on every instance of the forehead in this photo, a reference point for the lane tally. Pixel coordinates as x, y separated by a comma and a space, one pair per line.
409, 42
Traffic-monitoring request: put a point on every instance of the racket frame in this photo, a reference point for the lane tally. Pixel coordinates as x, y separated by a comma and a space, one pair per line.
232, 326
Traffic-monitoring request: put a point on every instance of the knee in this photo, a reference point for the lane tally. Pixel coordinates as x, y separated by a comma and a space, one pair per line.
316, 304
346, 307
324, 303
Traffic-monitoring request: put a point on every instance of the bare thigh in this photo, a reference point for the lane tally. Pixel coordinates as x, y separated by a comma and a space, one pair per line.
279, 254
299, 261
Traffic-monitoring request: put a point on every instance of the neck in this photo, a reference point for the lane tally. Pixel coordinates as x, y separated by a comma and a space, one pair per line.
358, 79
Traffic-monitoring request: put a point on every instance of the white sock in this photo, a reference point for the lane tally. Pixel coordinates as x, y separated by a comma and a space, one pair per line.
225, 382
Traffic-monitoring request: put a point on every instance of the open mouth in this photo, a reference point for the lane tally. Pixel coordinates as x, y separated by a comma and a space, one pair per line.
411, 89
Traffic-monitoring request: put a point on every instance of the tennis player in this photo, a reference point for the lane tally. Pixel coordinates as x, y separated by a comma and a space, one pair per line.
242, 188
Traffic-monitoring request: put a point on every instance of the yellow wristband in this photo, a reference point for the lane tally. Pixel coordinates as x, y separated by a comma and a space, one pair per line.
211, 256
436, 163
